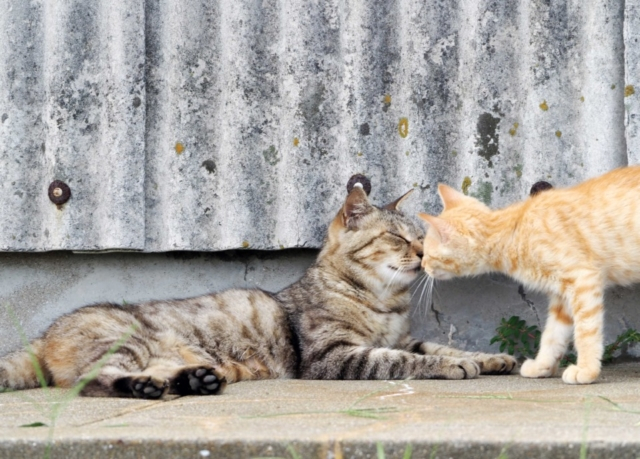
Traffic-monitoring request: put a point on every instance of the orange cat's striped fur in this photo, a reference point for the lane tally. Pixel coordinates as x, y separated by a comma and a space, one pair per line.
569, 243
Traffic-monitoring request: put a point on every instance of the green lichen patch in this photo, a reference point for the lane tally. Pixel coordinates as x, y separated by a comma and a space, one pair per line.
271, 155
518, 170
466, 183
514, 130
629, 90
403, 127
484, 192
487, 137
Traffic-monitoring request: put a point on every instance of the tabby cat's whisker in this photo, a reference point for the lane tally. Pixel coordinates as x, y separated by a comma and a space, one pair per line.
390, 283
429, 289
418, 284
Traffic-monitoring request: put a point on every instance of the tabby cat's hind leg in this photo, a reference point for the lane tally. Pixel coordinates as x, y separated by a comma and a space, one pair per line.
124, 375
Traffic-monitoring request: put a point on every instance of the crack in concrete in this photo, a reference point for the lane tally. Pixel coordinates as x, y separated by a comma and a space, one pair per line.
126, 411
529, 303
436, 313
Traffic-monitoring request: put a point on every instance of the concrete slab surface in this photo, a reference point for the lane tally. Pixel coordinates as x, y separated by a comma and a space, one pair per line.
490, 417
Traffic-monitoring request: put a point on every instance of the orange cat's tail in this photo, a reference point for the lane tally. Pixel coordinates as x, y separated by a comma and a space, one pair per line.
19, 369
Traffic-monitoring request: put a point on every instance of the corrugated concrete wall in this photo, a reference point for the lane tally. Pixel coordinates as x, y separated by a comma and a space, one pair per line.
191, 125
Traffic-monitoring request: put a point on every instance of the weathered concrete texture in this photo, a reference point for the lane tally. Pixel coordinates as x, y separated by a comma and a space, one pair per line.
632, 78
189, 125
463, 312
491, 417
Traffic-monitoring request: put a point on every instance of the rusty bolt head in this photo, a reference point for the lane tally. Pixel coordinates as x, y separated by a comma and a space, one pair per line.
59, 192
363, 180
539, 187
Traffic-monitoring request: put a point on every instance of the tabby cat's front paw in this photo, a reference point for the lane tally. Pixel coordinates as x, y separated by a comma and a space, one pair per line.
579, 375
496, 364
532, 369
461, 369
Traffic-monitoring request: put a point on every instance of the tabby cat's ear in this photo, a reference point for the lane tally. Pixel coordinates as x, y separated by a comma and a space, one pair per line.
355, 207
442, 230
451, 197
394, 205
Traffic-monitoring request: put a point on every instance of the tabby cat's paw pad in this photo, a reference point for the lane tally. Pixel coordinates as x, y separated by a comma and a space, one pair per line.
532, 369
577, 375
148, 387
463, 369
499, 364
199, 381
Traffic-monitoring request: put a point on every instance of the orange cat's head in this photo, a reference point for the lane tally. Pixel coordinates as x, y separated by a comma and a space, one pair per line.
455, 240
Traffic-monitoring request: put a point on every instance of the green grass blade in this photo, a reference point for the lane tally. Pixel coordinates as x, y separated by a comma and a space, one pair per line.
293, 452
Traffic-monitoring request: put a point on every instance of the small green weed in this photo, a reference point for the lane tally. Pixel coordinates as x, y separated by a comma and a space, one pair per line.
380, 454
517, 338
522, 340
626, 338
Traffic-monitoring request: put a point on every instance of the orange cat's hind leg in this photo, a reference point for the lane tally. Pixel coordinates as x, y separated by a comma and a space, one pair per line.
553, 342
588, 313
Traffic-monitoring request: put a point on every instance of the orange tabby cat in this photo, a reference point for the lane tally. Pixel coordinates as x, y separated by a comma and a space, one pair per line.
569, 243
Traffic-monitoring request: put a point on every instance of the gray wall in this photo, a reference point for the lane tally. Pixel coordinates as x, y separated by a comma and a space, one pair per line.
214, 125
464, 312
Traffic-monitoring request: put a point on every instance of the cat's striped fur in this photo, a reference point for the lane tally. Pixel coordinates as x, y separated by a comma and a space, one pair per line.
347, 318
570, 243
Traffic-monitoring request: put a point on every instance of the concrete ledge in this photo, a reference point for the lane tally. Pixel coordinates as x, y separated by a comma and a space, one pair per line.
489, 417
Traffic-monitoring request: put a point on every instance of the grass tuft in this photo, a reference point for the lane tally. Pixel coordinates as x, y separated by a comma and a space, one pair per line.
55, 404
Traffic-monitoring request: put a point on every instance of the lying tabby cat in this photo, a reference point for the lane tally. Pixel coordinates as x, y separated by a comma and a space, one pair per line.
345, 319
569, 243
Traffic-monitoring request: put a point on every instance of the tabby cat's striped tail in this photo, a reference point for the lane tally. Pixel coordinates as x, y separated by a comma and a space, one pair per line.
18, 370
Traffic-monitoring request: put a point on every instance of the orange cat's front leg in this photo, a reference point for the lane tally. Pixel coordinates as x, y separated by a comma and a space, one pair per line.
553, 343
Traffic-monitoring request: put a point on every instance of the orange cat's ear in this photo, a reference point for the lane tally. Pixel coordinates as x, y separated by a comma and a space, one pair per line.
442, 229
394, 205
450, 197
355, 207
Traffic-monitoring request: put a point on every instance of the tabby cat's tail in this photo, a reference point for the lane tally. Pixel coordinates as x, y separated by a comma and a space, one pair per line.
19, 369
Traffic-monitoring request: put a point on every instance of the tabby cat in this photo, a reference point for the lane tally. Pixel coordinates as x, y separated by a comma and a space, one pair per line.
569, 243
347, 318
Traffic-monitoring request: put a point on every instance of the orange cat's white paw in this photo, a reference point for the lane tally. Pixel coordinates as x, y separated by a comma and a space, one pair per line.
532, 369
577, 375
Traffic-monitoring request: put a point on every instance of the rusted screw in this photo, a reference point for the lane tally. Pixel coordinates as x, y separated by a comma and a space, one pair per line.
59, 192
361, 179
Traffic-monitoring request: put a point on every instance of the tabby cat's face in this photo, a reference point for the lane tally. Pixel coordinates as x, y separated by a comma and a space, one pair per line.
381, 244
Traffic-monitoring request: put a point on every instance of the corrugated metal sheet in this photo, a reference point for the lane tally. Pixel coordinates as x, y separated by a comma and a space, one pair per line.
191, 125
